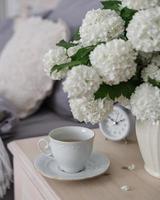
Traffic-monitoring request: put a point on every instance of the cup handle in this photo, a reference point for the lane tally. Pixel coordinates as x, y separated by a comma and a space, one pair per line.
44, 147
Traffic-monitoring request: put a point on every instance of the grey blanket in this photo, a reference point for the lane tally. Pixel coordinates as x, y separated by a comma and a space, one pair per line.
8, 121
8, 118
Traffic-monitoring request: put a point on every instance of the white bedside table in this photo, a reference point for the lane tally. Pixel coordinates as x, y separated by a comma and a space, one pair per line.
30, 185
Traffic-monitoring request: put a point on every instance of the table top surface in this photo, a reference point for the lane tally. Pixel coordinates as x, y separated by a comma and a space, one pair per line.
107, 186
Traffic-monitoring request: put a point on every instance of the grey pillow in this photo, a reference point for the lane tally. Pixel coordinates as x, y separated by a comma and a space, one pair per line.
58, 101
73, 11
7, 29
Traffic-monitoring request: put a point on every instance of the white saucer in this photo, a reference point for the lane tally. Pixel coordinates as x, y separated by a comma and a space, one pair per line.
96, 165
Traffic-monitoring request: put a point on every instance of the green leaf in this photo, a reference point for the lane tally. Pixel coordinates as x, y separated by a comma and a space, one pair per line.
65, 65
65, 44
102, 92
80, 58
76, 35
154, 82
127, 15
124, 88
83, 55
83, 52
108, 91
114, 91
123, 37
128, 89
112, 5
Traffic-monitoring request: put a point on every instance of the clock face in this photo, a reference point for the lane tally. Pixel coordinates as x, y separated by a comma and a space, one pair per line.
117, 124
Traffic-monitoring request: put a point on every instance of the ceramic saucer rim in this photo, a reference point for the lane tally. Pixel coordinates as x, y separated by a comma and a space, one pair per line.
60, 178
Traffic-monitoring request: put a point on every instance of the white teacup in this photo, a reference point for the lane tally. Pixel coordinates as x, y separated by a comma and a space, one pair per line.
71, 147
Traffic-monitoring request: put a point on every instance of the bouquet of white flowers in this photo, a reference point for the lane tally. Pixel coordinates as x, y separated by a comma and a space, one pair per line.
115, 51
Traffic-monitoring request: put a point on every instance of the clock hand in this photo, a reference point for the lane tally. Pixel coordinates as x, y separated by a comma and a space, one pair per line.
114, 122
117, 117
121, 120
111, 119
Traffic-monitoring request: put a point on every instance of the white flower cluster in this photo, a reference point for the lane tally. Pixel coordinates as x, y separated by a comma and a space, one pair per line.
114, 61
100, 26
152, 70
139, 4
90, 110
145, 102
54, 57
81, 81
144, 30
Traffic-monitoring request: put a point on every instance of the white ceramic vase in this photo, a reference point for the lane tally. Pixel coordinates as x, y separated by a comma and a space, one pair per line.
148, 136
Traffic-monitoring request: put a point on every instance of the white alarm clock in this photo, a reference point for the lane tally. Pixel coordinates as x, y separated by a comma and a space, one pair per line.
119, 124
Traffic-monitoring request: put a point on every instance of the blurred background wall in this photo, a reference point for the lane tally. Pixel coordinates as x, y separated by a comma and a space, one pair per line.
8, 8
2, 9
11, 8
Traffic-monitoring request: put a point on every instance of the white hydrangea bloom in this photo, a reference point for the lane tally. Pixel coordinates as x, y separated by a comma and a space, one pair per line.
53, 57
139, 4
72, 50
81, 80
144, 30
100, 26
76, 42
152, 70
123, 101
114, 61
145, 102
90, 110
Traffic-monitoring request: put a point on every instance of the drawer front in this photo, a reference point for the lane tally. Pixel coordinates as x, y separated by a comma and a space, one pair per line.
24, 188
